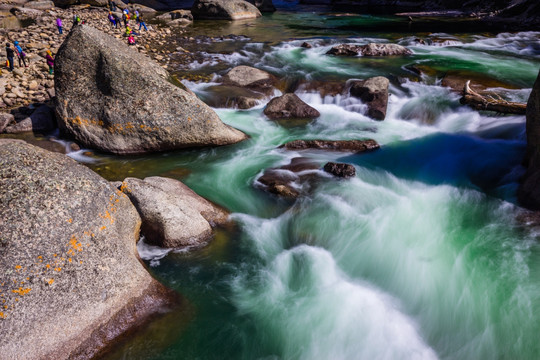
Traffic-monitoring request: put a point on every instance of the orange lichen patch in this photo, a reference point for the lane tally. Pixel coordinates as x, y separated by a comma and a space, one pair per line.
58, 269
18, 267
69, 260
80, 262
70, 221
55, 255
74, 244
2, 316
107, 216
40, 257
102, 228
21, 291
188, 119
48, 266
50, 281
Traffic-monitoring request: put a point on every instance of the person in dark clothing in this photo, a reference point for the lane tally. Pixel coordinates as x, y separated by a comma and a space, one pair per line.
142, 23
10, 55
116, 21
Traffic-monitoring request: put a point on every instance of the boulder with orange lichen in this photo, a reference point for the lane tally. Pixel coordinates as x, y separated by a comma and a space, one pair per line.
111, 98
71, 280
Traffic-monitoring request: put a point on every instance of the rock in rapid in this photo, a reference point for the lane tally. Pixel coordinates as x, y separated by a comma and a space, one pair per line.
371, 49
112, 98
289, 106
374, 93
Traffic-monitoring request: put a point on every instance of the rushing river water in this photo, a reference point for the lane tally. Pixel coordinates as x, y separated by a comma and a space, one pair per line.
420, 256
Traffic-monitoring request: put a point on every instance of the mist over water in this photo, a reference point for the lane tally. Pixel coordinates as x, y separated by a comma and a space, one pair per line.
420, 256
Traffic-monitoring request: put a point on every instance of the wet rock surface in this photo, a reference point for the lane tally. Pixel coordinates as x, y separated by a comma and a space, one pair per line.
289, 106
333, 145
71, 267
371, 49
340, 170
374, 93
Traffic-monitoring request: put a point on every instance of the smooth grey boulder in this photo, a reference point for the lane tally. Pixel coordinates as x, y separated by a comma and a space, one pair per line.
371, 49
250, 78
172, 214
40, 5
5, 120
70, 277
529, 191
374, 93
289, 106
41, 120
224, 10
184, 15
112, 98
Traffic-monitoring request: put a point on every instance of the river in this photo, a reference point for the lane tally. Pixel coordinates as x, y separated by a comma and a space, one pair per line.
422, 255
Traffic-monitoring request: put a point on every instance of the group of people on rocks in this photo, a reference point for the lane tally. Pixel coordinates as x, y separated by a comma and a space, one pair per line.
21, 55
126, 17
113, 19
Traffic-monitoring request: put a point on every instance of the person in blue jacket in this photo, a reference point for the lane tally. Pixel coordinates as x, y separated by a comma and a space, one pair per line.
20, 54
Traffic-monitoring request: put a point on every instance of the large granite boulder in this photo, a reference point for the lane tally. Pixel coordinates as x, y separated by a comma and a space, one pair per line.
172, 214
371, 49
250, 78
289, 106
356, 146
71, 281
224, 10
529, 190
112, 98
374, 93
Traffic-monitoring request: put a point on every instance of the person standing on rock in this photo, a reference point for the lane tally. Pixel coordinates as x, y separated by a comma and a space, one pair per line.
10, 55
112, 20
59, 25
20, 54
116, 20
50, 61
125, 18
142, 23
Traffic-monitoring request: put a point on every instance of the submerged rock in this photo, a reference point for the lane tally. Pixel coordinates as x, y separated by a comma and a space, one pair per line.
291, 180
172, 214
529, 191
371, 49
289, 106
340, 169
70, 275
333, 145
122, 102
374, 93
224, 10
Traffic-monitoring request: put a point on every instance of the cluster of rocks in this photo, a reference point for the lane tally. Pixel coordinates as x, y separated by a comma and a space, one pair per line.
302, 175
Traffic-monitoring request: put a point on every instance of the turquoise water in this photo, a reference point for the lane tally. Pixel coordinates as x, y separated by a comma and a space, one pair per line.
420, 256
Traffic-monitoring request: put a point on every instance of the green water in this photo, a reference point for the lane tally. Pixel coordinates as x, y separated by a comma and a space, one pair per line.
420, 256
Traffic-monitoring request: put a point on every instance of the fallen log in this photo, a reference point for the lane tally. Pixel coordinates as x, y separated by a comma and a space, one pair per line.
491, 102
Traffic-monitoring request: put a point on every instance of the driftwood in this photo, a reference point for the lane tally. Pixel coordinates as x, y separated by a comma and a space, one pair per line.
492, 102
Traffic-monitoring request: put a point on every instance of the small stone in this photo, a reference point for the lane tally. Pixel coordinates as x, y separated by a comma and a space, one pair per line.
340, 169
